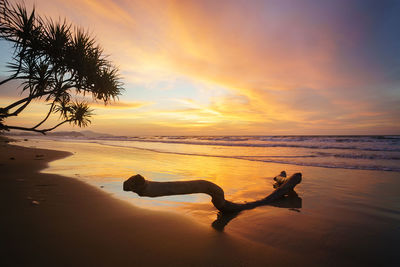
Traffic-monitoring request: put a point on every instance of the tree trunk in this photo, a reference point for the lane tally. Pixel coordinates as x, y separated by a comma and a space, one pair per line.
143, 187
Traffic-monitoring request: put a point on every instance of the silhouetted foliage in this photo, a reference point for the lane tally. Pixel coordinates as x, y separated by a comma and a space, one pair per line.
54, 61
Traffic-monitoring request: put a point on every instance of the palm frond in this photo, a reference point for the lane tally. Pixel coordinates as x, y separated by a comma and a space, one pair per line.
53, 60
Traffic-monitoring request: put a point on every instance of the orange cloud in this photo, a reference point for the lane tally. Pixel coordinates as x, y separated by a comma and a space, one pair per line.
119, 105
276, 72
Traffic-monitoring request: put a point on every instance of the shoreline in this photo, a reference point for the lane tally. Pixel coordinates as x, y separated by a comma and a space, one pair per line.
82, 214
56, 220
355, 157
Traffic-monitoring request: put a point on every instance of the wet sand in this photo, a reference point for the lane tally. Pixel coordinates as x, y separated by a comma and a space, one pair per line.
50, 220
345, 218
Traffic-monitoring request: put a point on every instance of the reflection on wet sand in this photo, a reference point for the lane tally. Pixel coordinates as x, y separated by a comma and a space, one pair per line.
290, 201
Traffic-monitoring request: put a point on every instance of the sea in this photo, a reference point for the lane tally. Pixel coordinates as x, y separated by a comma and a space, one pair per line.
345, 152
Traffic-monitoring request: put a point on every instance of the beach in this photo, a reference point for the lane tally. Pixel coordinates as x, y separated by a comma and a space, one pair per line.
75, 224
64, 205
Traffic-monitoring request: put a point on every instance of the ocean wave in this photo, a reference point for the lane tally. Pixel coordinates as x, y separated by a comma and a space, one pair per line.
292, 160
382, 155
339, 166
361, 156
324, 139
285, 145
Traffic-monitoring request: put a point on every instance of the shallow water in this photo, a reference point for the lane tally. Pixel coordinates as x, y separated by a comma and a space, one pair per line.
348, 213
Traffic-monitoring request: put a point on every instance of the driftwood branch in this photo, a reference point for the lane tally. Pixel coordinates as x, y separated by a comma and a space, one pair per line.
143, 187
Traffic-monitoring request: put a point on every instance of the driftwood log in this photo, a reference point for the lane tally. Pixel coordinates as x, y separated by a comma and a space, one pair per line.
138, 184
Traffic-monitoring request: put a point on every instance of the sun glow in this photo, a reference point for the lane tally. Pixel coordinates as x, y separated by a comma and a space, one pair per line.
230, 68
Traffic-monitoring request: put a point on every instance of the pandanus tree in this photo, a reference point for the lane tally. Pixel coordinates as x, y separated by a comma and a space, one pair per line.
56, 63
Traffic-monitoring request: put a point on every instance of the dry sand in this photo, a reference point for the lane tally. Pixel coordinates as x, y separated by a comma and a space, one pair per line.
51, 220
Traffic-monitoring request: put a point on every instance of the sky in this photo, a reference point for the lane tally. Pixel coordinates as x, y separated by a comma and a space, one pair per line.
239, 67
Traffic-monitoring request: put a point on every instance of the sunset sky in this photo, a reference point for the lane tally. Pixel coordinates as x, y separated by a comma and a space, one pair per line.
240, 67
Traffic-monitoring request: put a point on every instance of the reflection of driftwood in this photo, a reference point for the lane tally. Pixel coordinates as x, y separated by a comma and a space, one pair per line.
143, 187
290, 201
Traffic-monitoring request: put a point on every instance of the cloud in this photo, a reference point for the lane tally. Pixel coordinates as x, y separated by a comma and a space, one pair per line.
119, 105
271, 66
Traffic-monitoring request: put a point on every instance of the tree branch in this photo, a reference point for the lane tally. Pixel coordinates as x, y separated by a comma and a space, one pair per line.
52, 128
22, 129
19, 102
12, 77
21, 108
43, 131
47, 116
